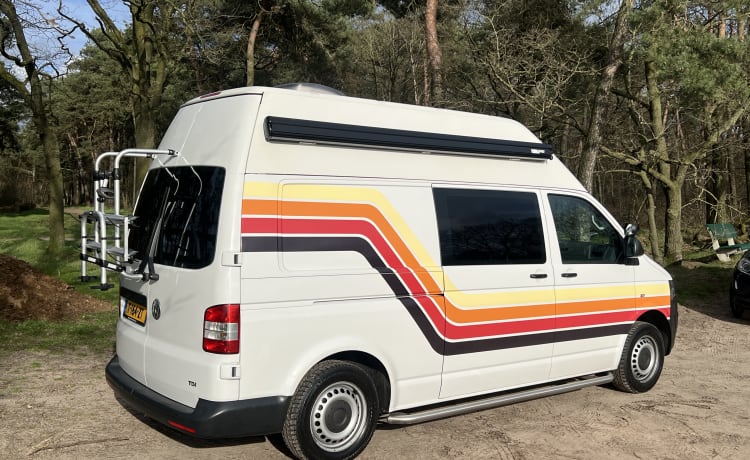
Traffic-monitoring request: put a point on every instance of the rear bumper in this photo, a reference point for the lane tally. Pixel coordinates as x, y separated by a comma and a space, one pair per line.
209, 419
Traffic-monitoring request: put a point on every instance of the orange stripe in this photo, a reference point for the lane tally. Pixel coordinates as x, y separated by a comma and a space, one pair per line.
650, 302
593, 306
263, 207
453, 312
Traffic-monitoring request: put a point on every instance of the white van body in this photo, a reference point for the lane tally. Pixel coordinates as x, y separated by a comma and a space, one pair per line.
355, 231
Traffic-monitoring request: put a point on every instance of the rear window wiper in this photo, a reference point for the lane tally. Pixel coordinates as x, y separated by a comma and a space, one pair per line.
153, 242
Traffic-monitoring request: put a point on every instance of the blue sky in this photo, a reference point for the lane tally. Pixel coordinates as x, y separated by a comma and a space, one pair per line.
80, 10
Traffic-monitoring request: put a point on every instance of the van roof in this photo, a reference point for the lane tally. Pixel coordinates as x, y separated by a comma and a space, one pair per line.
329, 107
426, 143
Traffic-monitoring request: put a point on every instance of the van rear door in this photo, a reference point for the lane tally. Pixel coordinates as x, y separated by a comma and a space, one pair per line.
186, 232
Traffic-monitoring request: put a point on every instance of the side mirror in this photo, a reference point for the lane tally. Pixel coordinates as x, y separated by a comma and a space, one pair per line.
631, 230
633, 247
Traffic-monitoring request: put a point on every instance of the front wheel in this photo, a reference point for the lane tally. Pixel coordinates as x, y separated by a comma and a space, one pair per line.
642, 359
333, 413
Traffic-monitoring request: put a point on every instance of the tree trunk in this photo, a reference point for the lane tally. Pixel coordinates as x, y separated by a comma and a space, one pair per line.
733, 201
145, 137
250, 51
672, 185
143, 53
52, 167
55, 181
434, 81
656, 250
598, 110
34, 97
717, 188
673, 223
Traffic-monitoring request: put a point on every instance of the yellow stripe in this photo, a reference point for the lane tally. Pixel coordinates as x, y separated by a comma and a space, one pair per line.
463, 300
363, 195
505, 297
259, 189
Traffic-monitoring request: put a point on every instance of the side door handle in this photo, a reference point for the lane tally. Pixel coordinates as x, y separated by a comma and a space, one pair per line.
569, 275
538, 276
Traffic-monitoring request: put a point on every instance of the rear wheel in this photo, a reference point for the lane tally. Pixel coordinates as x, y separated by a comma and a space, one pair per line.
333, 413
642, 359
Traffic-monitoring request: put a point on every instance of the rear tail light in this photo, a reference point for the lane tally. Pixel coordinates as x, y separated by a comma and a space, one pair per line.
221, 329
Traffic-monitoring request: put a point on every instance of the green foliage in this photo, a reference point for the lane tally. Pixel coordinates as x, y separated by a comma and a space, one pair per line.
23, 236
706, 282
94, 332
537, 61
12, 113
532, 63
700, 66
385, 60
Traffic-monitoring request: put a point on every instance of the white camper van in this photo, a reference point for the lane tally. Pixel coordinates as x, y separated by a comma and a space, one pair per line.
312, 264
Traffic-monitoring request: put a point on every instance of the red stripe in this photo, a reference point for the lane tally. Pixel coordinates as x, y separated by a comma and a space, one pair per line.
433, 311
354, 227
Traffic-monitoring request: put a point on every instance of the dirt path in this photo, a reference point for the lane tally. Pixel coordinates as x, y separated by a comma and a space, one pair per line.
59, 407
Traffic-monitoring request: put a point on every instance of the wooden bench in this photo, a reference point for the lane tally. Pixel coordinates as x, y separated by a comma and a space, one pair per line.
722, 240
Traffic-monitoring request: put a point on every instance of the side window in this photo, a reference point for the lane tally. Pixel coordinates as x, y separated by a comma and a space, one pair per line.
489, 227
584, 235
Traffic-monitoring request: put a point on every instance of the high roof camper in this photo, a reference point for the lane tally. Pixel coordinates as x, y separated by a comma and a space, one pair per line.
306, 263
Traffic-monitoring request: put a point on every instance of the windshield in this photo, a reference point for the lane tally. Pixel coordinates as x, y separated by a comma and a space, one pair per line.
177, 216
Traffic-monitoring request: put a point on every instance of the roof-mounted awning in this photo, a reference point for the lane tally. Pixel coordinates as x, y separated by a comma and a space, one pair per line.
320, 132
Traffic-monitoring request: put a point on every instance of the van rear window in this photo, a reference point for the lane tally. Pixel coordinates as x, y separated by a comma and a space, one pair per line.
177, 216
489, 227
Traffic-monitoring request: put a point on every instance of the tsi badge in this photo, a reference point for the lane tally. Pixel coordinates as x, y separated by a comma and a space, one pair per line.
156, 309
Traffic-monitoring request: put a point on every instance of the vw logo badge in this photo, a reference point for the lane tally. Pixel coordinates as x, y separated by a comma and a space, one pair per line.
156, 309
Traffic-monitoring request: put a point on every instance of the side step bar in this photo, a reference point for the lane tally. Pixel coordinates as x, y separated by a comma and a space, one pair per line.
409, 418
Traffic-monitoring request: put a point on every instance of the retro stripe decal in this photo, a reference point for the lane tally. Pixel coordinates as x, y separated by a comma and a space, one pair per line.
416, 308
460, 322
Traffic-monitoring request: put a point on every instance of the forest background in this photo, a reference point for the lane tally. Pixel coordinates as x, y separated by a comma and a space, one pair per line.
646, 101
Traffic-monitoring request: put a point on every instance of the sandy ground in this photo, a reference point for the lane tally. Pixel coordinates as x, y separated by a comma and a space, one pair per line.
58, 406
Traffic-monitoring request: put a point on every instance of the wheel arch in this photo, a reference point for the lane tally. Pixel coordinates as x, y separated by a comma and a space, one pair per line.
378, 370
662, 323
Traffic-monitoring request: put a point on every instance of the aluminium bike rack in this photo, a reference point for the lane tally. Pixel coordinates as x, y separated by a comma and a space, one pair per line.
104, 235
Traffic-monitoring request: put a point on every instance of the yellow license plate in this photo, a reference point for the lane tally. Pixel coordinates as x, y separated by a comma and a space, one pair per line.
135, 312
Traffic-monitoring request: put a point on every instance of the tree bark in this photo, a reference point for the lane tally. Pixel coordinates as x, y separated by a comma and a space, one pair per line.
746, 156
33, 95
672, 186
434, 81
656, 250
144, 56
598, 110
717, 188
250, 51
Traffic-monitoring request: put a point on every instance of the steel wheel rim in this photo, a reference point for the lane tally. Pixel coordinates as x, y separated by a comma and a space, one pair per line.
644, 361
338, 417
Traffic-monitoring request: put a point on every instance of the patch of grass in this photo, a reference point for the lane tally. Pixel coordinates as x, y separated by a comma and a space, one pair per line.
703, 283
94, 331
24, 235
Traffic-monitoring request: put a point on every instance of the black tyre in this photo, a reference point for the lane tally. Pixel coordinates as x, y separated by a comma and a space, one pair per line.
736, 309
642, 359
333, 413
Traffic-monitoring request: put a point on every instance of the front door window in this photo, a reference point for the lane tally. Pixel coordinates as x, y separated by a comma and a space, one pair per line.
584, 235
